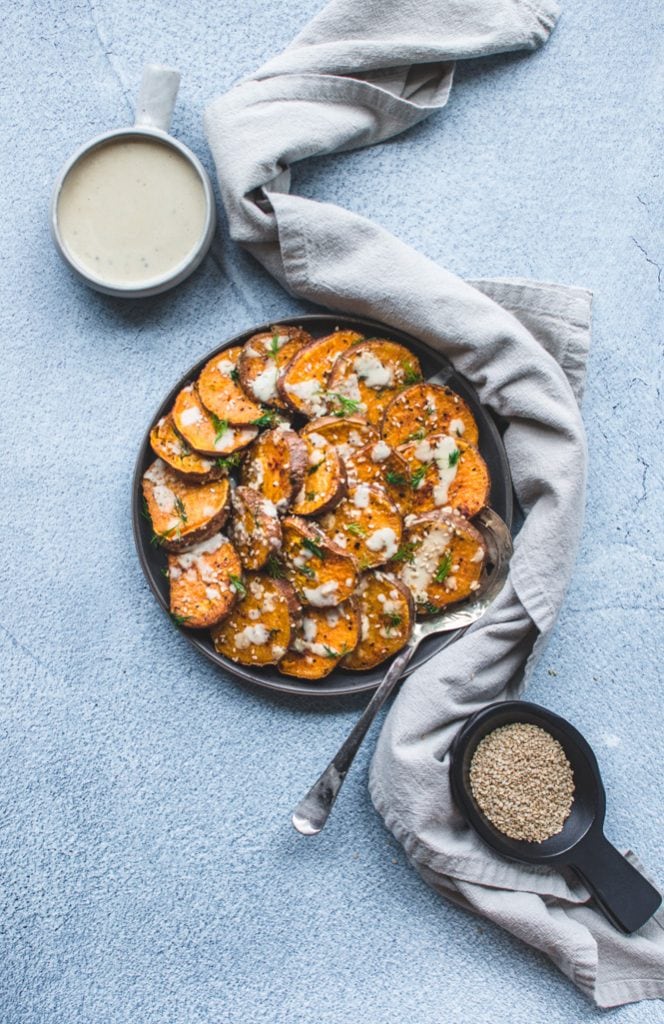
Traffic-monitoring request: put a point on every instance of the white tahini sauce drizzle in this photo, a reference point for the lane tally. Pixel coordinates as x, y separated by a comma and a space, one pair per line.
385, 540
370, 369
131, 211
321, 597
258, 635
440, 454
456, 428
420, 573
265, 385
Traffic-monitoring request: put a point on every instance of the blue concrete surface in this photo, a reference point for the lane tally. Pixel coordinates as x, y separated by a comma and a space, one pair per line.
148, 870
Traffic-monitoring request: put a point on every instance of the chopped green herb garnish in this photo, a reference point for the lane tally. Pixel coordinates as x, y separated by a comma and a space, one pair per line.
406, 553
274, 345
356, 529
221, 426
307, 571
266, 419
418, 476
396, 479
238, 586
235, 375
185, 450
347, 406
164, 572
157, 539
410, 374
180, 509
330, 652
274, 568
144, 510
313, 547
310, 495
179, 620
417, 435
429, 608
394, 620
444, 566
363, 564
312, 469
453, 457
229, 461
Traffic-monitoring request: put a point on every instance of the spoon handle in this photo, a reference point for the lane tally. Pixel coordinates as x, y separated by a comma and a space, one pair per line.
313, 810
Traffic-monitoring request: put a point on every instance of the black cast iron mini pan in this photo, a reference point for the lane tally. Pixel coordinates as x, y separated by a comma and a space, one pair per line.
624, 895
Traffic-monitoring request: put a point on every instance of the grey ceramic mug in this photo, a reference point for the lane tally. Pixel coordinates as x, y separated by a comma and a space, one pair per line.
156, 99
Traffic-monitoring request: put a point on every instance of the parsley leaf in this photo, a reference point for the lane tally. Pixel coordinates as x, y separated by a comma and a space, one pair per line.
307, 571
444, 566
179, 620
417, 435
229, 461
406, 553
238, 586
266, 419
347, 406
396, 479
235, 375
313, 547
356, 529
453, 457
418, 476
410, 374
274, 568
221, 426
180, 509
274, 346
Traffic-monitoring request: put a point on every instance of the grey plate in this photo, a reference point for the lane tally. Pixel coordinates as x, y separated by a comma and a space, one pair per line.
338, 682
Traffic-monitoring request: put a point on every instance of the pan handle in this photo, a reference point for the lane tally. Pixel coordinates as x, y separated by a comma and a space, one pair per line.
623, 894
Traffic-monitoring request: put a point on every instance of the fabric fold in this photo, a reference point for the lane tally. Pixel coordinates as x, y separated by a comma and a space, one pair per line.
360, 73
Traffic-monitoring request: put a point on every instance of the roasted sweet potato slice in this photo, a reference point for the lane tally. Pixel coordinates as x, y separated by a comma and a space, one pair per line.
303, 383
322, 573
276, 466
167, 445
324, 636
205, 432
264, 357
427, 409
325, 480
387, 614
367, 525
205, 581
255, 528
446, 473
376, 463
262, 624
219, 390
182, 513
371, 374
346, 432
440, 560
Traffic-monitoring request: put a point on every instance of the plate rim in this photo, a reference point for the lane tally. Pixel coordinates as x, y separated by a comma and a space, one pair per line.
291, 687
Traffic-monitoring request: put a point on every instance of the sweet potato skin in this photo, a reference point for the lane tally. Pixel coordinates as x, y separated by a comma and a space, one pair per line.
387, 615
202, 592
322, 573
220, 391
268, 606
263, 359
276, 466
324, 483
367, 525
323, 637
255, 529
182, 513
442, 558
425, 409
169, 446
372, 373
312, 365
467, 492
201, 432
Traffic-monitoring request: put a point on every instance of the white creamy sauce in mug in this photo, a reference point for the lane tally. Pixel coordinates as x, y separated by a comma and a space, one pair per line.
131, 211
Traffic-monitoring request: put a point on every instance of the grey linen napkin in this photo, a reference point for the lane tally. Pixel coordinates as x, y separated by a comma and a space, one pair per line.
359, 73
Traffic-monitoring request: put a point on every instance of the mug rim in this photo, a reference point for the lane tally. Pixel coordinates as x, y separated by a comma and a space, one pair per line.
186, 266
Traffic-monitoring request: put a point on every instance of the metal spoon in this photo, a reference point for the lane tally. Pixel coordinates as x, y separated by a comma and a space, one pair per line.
312, 812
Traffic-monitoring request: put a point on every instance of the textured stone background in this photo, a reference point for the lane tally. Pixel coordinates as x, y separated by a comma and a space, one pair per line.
149, 873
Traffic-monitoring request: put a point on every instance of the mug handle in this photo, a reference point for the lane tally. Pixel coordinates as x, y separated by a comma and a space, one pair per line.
156, 97
624, 895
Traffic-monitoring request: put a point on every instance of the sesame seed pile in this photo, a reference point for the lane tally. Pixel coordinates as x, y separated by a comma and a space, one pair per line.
522, 781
